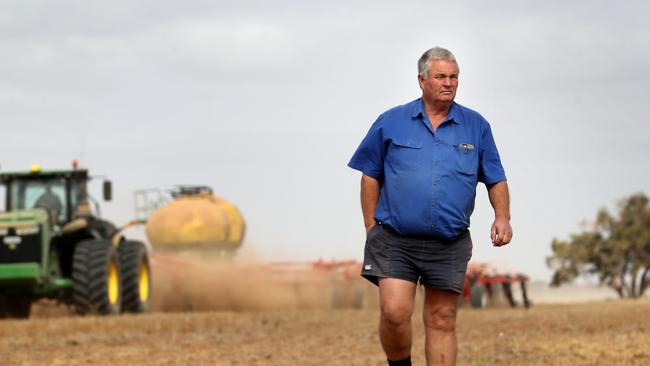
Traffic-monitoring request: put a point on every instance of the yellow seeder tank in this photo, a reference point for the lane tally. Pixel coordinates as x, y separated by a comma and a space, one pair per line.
196, 219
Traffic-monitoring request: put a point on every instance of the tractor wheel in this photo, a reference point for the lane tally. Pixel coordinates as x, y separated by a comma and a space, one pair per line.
478, 296
15, 307
96, 278
136, 276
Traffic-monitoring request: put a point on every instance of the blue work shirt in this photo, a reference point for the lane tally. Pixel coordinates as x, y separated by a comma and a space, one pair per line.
428, 178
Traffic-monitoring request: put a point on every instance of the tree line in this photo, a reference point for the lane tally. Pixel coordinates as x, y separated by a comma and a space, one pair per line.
615, 249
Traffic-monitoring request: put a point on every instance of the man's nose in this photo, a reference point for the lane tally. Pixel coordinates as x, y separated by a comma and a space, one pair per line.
446, 82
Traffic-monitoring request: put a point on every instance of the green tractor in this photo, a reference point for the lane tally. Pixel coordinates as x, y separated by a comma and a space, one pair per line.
53, 246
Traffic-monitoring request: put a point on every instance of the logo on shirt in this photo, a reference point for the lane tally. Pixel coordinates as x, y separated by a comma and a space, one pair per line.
466, 147
367, 267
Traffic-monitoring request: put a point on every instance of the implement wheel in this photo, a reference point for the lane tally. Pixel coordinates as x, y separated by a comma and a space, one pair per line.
96, 278
136, 276
478, 296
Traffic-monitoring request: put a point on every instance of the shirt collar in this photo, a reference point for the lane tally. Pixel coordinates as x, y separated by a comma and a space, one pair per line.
417, 111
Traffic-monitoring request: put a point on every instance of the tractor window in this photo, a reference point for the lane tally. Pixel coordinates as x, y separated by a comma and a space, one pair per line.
46, 194
74, 194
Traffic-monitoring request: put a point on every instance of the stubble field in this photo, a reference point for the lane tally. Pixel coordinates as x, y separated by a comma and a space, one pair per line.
604, 333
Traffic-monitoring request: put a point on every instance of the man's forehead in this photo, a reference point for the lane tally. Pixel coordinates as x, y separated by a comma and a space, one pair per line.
443, 66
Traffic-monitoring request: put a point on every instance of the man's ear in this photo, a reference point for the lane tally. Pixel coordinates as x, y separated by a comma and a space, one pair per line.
421, 81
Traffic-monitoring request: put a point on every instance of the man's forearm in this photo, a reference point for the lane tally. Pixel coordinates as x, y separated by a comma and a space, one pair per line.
500, 199
370, 188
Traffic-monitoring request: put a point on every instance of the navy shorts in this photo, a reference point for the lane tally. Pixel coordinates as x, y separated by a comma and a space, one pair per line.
435, 263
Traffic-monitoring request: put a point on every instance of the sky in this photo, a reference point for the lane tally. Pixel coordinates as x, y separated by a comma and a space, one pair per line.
267, 101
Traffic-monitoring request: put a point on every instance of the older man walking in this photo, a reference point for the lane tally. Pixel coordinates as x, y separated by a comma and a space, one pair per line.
421, 163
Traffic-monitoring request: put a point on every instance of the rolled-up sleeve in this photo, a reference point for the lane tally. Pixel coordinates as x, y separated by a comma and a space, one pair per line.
490, 168
369, 157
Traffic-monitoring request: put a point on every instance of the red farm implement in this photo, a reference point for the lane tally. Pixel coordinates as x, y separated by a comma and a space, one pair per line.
486, 286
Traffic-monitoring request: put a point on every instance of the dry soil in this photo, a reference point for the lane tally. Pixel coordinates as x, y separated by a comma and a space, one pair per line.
603, 333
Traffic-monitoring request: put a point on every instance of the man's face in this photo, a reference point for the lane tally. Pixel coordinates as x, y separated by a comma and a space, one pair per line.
441, 82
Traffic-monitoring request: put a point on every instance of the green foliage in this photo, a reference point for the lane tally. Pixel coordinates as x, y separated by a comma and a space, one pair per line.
616, 250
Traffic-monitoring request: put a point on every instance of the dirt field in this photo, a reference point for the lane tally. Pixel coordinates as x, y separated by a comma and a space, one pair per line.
605, 333
209, 312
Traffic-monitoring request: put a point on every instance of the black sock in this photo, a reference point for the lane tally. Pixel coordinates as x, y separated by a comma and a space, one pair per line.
404, 362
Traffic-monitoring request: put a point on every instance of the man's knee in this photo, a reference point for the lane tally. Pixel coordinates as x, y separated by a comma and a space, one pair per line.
396, 313
441, 319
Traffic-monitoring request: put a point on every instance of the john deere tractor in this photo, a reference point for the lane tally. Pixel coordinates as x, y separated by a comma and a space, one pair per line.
54, 245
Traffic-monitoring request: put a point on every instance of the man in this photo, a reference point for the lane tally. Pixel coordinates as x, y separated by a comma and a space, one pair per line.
421, 163
50, 202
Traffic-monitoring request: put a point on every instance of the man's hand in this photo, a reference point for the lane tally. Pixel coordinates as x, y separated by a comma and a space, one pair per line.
369, 227
501, 232
369, 196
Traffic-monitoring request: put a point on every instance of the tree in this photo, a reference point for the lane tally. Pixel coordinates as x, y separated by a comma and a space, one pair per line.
616, 250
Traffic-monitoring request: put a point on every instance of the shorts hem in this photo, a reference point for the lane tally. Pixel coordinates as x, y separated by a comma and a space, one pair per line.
374, 278
445, 288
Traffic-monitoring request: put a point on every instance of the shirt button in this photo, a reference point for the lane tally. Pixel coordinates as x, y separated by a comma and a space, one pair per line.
433, 205
433, 226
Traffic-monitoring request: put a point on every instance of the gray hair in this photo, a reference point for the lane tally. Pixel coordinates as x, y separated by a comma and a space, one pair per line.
435, 53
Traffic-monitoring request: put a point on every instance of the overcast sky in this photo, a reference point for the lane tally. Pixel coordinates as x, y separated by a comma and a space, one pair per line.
266, 102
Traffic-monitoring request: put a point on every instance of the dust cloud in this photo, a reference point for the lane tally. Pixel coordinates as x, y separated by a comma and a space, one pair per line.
201, 283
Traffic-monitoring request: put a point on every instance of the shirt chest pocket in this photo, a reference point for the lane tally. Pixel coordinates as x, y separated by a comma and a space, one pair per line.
466, 158
405, 154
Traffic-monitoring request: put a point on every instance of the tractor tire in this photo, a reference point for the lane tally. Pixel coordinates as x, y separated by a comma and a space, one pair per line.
15, 307
478, 296
96, 278
136, 276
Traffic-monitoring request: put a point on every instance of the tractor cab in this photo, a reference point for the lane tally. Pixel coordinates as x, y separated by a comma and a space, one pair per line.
61, 193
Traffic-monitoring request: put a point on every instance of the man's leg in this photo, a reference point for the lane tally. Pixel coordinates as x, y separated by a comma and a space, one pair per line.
439, 317
397, 298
